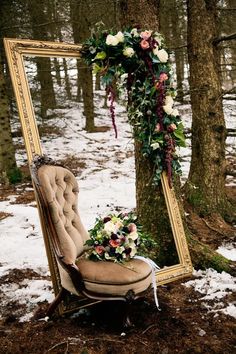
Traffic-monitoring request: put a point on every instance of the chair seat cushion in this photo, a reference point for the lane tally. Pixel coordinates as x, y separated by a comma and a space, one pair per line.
111, 278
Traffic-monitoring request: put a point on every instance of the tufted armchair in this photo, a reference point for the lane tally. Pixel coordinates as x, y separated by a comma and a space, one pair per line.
57, 195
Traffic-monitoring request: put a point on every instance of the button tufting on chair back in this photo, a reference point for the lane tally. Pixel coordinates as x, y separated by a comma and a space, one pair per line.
60, 190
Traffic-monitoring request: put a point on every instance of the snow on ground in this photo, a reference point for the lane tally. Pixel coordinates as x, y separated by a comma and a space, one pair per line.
228, 250
215, 288
21, 242
107, 182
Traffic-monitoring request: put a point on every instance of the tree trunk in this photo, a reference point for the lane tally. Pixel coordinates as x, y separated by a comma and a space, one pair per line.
38, 18
152, 211
67, 80
98, 83
151, 206
205, 187
139, 12
8, 169
81, 26
47, 94
57, 68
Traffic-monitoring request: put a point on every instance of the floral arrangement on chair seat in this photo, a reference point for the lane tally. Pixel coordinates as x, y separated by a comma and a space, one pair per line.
139, 61
117, 238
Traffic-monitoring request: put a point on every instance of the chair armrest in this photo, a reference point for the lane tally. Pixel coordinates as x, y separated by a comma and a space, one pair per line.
74, 274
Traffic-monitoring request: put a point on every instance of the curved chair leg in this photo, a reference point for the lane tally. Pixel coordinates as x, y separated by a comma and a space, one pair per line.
54, 304
129, 299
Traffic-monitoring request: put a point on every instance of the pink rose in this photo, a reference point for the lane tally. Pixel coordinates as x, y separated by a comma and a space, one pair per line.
163, 77
146, 35
114, 243
157, 128
99, 249
144, 44
172, 127
132, 227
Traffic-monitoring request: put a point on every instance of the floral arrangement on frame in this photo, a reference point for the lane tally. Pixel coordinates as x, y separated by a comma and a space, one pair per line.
139, 61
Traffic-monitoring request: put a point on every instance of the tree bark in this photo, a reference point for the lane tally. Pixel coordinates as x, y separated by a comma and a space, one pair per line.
37, 17
151, 206
81, 26
178, 27
205, 187
8, 168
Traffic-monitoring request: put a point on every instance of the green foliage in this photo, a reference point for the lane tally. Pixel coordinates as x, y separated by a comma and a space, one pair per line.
138, 61
15, 175
204, 257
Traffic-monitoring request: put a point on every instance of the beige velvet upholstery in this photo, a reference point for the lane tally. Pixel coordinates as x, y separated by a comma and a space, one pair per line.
60, 189
115, 278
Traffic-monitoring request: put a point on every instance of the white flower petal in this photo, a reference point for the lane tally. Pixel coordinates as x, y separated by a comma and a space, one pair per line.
162, 55
111, 40
168, 109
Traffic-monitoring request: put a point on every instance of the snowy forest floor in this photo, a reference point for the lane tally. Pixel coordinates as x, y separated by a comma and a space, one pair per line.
197, 315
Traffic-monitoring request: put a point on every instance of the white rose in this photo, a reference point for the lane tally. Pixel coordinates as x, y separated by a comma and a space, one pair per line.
155, 146
168, 109
110, 227
133, 249
111, 40
162, 55
120, 37
134, 32
133, 235
124, 76
169, 101
128, 52
175, 112
155, 50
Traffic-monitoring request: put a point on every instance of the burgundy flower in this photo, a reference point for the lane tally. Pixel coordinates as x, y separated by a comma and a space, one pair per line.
114, 237
106, 219
172, 127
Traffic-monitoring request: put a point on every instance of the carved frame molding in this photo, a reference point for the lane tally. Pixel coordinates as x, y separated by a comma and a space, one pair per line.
16, 49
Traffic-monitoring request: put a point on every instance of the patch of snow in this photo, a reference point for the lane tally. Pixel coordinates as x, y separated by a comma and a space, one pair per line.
201, 332
214, 287
228, 250
28, 293
230, 310
22, 244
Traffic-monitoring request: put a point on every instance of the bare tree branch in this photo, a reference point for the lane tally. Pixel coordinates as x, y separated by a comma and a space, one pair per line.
224, 38
179, 47
226, 9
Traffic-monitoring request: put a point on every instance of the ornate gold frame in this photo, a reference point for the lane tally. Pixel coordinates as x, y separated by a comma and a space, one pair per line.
16, 49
